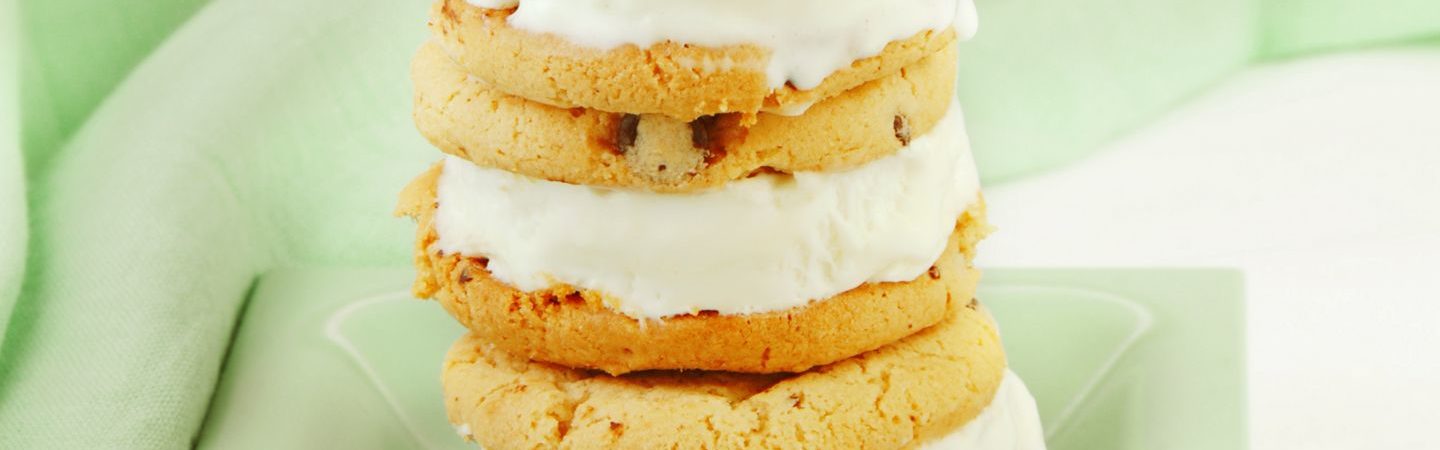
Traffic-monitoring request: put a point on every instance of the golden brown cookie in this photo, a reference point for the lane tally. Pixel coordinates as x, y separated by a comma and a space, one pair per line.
895, 397
661, 79
466, 117
574, 327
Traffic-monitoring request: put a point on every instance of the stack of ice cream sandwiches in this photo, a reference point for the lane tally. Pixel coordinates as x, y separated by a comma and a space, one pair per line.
708, 224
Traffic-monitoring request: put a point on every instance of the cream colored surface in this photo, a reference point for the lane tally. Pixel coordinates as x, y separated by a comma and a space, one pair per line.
1315, 177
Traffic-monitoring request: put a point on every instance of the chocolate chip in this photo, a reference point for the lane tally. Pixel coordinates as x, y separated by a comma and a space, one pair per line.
934, 273
973, 304
705, 135
902, 129
626, 132
701, 130
465, 275
715, 133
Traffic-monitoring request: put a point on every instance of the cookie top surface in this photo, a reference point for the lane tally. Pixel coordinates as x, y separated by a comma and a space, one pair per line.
598, 55
467, 117
915, 389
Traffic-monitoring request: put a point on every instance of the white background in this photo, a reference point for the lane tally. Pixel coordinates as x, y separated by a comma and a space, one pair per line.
1320, 179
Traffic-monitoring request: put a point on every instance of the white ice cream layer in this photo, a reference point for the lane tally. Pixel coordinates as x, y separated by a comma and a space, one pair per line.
809, 39
767, 243
1011, 422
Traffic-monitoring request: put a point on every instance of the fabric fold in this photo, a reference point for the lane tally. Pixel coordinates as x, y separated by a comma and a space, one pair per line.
13, 212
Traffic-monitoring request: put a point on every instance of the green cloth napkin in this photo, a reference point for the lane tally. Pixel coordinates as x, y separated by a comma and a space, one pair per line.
12, 175
268, 134
1296, 27
77, 51
238, 147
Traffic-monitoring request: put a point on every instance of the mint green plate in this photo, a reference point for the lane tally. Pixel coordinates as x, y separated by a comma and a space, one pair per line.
1117, 359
